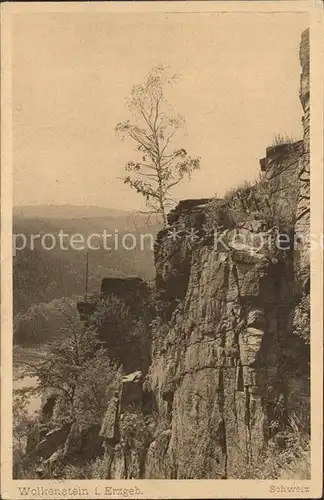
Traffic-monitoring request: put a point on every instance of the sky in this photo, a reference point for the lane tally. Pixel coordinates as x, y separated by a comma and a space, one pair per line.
72, 72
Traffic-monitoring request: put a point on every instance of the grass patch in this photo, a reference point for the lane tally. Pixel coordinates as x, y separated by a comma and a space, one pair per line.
281, 139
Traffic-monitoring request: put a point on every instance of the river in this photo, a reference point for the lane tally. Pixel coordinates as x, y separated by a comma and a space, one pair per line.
30, 355
28, 382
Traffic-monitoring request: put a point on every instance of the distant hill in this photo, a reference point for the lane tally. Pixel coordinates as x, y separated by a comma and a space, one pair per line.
40, 276
67, 211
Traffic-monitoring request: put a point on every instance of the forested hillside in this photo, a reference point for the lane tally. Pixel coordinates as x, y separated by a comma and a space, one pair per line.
41, 276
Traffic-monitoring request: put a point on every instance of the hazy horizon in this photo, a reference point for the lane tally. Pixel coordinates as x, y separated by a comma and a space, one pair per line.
239, 87
63, 205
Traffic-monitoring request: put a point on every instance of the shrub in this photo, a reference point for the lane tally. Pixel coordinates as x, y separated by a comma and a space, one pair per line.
100, 468
246, 203
98, 381
242, 188
23, 424
290, 462
234, 210
298, 467
217, 215
293, 460
96, 469
137, 429
78, 472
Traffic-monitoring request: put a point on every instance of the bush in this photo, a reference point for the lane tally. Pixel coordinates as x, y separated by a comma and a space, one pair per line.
238, 190
100, 468
23, 424
217, 216
290, 462
96, 469
78, 472
246, 203
98, 381
293, 460
137, 429
298, 467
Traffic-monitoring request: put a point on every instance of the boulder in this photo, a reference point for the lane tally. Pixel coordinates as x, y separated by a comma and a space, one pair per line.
52, 441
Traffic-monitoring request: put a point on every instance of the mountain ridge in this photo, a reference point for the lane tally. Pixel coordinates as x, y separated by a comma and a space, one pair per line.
68, 211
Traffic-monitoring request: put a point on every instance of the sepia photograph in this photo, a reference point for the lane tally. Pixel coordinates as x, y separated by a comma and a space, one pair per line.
156, 305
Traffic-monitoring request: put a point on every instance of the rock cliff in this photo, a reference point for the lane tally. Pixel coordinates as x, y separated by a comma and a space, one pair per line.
229, 355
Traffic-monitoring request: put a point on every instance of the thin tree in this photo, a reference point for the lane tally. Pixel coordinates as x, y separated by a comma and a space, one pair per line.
65, 363
161, 166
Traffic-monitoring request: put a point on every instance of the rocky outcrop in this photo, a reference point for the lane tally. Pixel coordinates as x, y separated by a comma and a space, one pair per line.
109, 428
228, 358
173, 249
302, 225
281, 169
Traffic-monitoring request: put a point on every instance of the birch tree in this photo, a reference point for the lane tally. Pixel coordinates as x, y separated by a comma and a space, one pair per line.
160, 165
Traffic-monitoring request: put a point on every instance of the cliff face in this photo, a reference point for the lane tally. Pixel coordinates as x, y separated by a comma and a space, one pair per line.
229, 351
302, 225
